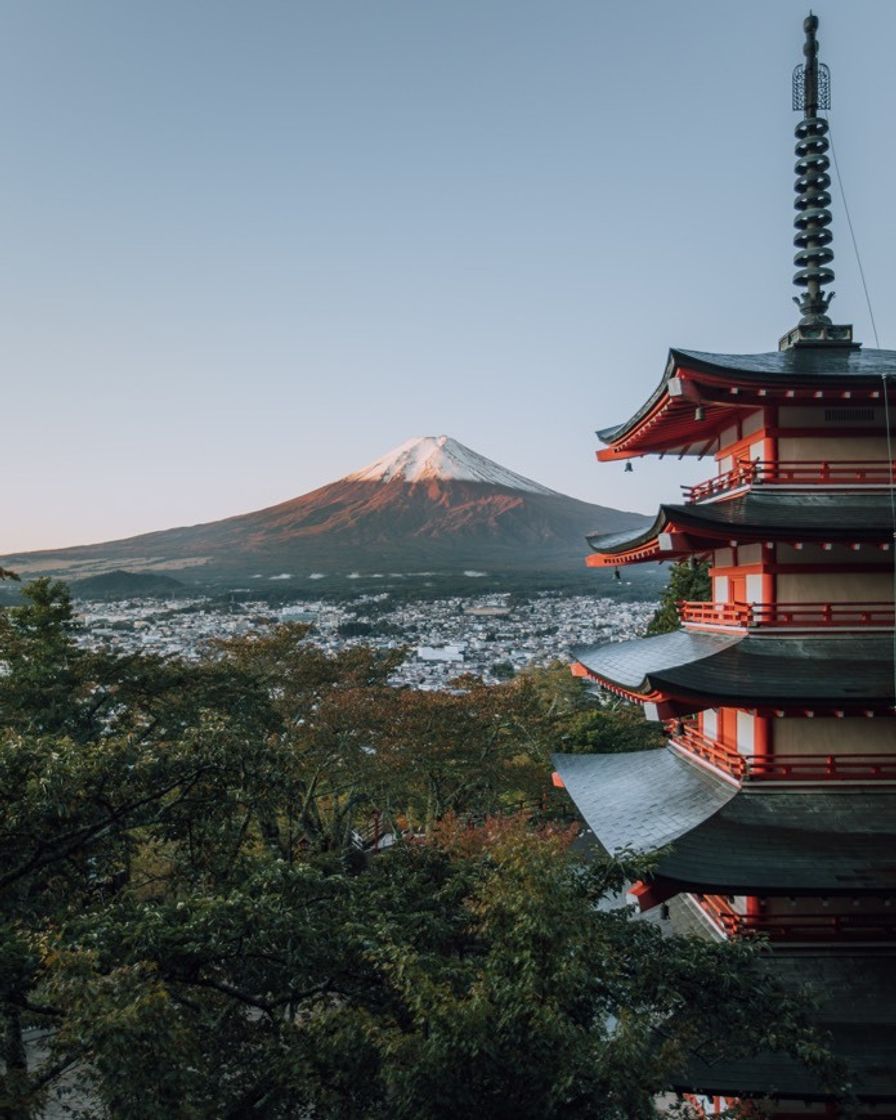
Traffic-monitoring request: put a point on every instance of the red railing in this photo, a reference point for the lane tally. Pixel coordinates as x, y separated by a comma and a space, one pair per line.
717, 754
806, 616
794, 472
818, 767
786, 767
716, 614
799, 927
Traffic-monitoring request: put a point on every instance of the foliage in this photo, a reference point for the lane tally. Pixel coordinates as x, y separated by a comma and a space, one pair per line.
184, 907
688, 580
575, 718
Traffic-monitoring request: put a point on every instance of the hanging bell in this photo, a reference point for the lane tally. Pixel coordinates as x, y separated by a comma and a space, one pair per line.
628, 467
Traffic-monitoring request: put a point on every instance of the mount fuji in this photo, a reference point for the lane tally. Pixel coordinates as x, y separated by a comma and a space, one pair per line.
430, 504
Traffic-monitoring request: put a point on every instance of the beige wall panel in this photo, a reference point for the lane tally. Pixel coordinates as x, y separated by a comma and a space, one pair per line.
821, 448
840, 554
855, 735
749, 554
839, 587
813, 416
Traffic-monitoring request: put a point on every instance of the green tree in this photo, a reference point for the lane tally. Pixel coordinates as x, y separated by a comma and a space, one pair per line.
184, 911
689, 581
561, 712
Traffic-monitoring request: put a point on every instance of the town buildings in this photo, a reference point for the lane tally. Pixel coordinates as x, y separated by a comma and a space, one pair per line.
775, 800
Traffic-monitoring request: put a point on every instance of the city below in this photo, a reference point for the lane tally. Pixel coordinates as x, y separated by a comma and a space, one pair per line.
491, 636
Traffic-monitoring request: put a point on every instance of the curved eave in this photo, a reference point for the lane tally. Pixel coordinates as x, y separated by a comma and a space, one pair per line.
665, 422
686, 671
681, 529
867, 1048
853, 998
722, 840
640, 800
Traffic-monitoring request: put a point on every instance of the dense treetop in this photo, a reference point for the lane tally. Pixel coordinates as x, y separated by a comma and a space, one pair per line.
195, 928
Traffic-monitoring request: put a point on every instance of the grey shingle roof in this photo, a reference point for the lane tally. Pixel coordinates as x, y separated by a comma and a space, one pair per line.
778, 842
857, 996
771, 515
628, 663
640, 800
799, 366
777, 671
809, 362
725, 841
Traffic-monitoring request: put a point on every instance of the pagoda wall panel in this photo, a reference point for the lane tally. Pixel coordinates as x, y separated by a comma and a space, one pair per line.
749, 554
729, 436
832, 449
833, 906
841, 414
835, 587
834, 736
811, 556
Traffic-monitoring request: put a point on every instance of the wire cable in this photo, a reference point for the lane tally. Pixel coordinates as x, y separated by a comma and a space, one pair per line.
884, 381
852, 234
892, 488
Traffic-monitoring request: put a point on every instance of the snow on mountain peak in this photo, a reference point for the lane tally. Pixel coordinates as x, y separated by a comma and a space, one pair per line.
441, 457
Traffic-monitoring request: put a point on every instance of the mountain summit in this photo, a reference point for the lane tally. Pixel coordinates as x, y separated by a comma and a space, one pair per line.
430, 505
441, 457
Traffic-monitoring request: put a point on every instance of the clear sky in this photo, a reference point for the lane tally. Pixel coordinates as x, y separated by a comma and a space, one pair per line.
250, 245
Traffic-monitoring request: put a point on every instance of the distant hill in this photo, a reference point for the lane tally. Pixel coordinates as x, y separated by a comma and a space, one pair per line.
431, 504
120, 584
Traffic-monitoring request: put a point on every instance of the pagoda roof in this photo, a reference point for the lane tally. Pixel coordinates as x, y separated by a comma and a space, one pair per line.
725, 382
641, 800
757, 515
856, 997
720, 839
695, 670
801, 361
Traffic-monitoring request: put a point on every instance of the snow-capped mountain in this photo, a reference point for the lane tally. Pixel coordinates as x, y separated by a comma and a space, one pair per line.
431, 504
427, 457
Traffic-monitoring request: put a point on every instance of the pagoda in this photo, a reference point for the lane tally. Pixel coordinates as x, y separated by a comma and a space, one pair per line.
774, 801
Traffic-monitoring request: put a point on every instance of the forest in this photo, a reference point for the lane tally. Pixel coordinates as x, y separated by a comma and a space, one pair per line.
269, 884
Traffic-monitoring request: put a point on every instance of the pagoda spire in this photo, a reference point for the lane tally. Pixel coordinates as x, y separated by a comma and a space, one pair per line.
812, 92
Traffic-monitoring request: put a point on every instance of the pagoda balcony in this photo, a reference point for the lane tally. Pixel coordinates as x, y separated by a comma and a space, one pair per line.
818, 926
785, 767
795, 474
879, 615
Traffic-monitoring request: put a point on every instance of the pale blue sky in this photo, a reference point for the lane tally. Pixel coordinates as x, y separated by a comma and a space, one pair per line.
250, 246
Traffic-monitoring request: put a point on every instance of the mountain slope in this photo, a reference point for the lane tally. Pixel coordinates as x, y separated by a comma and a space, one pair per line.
430, 504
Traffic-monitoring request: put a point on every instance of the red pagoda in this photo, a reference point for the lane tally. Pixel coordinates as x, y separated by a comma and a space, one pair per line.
775, 799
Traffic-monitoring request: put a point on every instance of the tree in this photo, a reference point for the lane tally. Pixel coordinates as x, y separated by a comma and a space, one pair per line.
41, 689
472, 975
183, 908
689, 581
565, 714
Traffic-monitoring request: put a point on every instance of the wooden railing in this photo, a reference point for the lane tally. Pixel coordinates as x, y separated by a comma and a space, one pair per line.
717, 754
794, 472
821, 767
804, 616
872, 767
817, 926
715, 614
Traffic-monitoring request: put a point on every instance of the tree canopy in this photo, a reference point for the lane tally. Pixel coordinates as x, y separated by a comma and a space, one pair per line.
193, 924
688, 581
